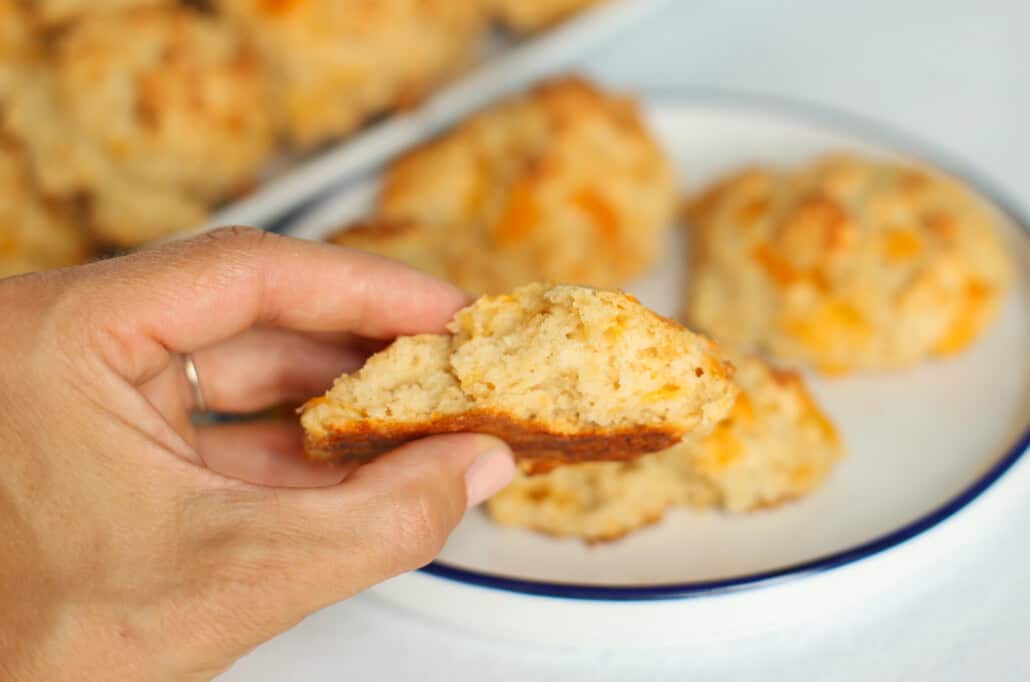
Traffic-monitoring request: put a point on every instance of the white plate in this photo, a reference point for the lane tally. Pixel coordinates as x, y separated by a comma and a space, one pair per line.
922, 445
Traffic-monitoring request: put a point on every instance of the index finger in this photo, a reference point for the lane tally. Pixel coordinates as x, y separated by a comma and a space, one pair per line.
190, 294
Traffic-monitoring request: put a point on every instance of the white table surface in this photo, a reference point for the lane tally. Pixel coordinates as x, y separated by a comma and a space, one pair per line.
957, 73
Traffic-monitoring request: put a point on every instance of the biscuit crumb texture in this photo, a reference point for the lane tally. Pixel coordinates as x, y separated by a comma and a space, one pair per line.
563, 183
560, 372
847, 264
776, 445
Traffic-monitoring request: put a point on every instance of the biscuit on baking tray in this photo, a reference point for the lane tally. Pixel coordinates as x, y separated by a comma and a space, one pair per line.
776, 445
56, 12
562, 373
530, 15
849, 263
35, 234
563, 184
339, 62
149, 114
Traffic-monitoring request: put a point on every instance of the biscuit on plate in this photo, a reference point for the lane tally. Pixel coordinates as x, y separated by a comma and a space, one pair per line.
401, 240
562, 373
530, 15
458, 256
563, 183
150, 115
339, 62
849, 263
35, 234
455, 257
776, 445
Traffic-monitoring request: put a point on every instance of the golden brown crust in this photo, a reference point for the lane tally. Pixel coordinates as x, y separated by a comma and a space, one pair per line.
536, 448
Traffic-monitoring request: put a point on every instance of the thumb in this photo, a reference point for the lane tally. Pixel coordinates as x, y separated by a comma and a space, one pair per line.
394, 514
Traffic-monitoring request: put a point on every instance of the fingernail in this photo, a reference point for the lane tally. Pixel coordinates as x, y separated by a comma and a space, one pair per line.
491, 471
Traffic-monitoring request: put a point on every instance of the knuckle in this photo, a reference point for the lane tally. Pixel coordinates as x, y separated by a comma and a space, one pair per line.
237, 235
237, 240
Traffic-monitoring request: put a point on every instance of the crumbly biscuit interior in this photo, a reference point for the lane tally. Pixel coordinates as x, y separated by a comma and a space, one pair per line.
572, 358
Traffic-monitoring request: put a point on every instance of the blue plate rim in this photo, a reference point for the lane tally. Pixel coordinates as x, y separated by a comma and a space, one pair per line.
890, 137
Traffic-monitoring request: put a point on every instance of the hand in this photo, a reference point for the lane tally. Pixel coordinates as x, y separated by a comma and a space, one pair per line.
135, 546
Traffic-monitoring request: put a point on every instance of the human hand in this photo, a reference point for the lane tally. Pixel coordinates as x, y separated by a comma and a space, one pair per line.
136, 546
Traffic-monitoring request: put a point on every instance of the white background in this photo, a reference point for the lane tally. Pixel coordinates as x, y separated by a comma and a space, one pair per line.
957, 73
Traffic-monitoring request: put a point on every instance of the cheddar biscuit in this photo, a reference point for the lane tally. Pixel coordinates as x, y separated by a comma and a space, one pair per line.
458, 256
562, 373
561, 184
847, 264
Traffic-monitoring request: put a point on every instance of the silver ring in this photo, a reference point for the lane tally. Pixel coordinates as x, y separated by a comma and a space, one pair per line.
193, 377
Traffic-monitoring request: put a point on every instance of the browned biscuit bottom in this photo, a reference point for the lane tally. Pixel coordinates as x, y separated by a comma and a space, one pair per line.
536, 448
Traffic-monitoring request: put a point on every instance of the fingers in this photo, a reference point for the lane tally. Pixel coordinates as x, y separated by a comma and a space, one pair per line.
185, 296
269, 557
265, 367
266, 453
394, 514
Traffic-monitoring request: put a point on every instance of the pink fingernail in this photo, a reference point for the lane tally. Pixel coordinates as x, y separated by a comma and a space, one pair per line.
491, 471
